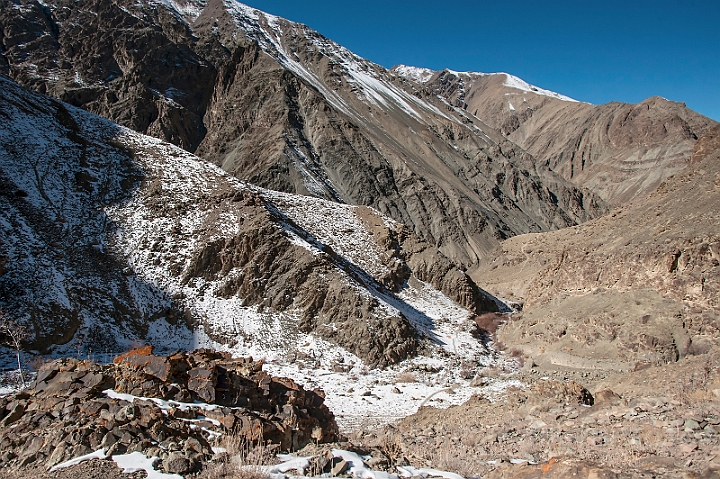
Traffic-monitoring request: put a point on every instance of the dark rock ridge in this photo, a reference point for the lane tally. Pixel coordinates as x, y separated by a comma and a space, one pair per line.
278, 104
620, 151
181, 403
110, 236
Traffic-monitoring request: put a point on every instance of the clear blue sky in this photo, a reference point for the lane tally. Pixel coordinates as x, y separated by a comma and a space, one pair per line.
594, 51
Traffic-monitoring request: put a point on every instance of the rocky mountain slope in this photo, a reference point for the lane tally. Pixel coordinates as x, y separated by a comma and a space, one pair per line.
637, 286
277, 104
620, 151
109, 236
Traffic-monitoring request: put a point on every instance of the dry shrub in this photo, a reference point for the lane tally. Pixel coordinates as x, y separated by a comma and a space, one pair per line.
405, 377
248, 452
391, 444
243, 459
446, 458
488, 323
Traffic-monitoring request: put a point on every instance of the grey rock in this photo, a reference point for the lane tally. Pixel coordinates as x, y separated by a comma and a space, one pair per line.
178, 464
15, 413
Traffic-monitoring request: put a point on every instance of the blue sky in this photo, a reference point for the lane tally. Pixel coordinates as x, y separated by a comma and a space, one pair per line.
594, 51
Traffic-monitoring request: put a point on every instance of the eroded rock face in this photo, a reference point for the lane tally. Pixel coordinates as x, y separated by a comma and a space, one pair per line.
141, 72
110, 236
68, 413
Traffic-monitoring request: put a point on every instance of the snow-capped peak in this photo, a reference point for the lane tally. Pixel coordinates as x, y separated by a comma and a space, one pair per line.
512, 81
416, 74
423, 75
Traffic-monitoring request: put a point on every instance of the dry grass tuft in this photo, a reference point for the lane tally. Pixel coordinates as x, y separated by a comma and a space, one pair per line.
243, 459
226, 470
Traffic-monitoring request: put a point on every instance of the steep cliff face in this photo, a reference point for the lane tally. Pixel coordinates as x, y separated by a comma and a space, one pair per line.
138, 69
620, 151
276, 103
109, 236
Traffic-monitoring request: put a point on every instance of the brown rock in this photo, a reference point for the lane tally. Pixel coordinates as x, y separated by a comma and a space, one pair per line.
17, 411
688, 448
606, 396
202, 382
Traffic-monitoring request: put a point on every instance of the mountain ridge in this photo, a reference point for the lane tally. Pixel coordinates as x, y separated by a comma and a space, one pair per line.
281, 106
620, 151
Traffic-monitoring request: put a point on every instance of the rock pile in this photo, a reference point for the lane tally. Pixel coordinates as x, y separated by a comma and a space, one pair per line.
172, 407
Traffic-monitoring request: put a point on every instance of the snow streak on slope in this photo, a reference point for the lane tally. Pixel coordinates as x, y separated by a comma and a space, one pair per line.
369, 80
347, 235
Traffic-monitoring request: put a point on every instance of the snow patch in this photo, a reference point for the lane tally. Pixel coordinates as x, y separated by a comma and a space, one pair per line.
100, 454
137, 461
416, 74
517, 83
409, 471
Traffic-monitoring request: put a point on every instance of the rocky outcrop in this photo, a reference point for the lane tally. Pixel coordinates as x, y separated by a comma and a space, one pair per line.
171, 407
277, 104
621, 152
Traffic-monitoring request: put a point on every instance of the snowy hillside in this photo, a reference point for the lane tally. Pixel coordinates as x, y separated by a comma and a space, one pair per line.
111, 237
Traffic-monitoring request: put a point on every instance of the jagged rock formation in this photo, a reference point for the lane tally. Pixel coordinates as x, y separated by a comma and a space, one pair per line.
279, 105
168, 407
620, 151
109, 236
636, 286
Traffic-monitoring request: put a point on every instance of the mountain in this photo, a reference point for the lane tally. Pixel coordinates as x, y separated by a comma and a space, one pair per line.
279, 105
621, 152
637, 286
110, 237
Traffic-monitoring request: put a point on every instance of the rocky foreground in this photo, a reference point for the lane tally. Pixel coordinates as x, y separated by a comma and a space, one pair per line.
202, 414
171, 407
